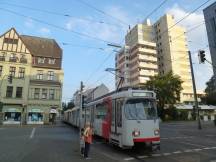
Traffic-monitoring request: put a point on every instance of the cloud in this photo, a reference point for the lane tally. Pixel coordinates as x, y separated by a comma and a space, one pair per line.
110, 30
197, 39
44, 30
29, 23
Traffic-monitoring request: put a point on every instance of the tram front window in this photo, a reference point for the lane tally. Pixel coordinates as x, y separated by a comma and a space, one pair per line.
140, 109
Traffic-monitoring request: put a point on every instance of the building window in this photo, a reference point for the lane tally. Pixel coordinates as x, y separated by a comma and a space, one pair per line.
2, 56
51, 94
21, 72
50, 75
44, 93
41, 60
13, 57
51, 61
10, 41
12, 71
40, 75
1, 68
23, 59
19, 92
9, 92
36, 93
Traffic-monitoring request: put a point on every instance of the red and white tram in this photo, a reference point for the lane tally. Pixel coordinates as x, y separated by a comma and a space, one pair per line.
124, 118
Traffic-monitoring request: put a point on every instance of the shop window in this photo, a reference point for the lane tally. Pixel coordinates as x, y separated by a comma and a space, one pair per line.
1, 68
9, 92
12, 116
21, 72
50, 75
36, 93
40, 75
12, 71
51, 94
19, 92
44, 93
35, 117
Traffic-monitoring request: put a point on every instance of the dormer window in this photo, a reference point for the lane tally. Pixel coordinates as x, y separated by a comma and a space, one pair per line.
41, 60
51, 61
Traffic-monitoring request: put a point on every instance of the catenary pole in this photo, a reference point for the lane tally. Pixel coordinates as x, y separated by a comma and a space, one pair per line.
194, 91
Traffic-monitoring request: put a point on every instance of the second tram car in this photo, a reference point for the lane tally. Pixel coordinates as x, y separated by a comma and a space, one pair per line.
124, 118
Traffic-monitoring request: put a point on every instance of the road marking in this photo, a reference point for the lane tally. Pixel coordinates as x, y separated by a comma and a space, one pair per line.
170, 153
32, 133
173, 138
192, 144
177, 152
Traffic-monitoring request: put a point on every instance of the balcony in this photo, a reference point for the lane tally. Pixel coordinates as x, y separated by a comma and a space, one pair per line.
45, 79
23, 60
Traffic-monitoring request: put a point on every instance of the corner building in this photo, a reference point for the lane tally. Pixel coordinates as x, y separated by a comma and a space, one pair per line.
34, 95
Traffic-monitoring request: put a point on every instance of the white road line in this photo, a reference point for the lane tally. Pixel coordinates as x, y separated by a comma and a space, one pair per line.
189, 150
142, 157
166, 154
207, 148
128, 159
32, 133
197, 149
177, 152
192, 144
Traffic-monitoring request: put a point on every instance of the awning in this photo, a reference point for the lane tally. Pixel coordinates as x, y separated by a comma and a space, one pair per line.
53, 111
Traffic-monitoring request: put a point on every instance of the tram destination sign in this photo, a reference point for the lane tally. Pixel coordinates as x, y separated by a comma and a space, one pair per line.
143, 94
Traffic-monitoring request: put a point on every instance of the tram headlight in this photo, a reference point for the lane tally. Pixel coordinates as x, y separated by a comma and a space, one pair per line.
136, 133
156, 132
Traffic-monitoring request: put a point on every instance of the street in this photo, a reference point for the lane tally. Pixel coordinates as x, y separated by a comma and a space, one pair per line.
180, 142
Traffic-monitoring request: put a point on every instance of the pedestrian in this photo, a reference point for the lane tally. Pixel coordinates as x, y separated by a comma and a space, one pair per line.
82, 142
88, 139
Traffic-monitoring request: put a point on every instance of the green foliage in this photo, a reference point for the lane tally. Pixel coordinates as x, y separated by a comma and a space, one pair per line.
68, 105
210, 91
168, 88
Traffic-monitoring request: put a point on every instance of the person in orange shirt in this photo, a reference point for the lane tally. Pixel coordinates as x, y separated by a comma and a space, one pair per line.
88, 139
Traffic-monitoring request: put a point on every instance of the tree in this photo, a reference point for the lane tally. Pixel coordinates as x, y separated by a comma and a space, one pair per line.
68, 105
210, 92
167, 88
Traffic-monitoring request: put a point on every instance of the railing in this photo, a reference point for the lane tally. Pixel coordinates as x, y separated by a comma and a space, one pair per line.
54, 78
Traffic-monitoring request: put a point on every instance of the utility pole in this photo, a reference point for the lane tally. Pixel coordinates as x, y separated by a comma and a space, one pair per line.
80, 110
194, 91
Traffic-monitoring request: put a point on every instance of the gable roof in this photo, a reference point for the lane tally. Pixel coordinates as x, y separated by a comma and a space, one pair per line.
42, 46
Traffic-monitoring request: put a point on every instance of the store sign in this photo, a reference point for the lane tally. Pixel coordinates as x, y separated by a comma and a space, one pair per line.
12, 110
53, 111
36, 110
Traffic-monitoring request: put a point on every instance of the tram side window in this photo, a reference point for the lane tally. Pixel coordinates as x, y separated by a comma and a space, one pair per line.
119, 112
101, 111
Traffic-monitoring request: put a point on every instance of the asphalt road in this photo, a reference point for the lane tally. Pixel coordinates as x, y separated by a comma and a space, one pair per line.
180, 142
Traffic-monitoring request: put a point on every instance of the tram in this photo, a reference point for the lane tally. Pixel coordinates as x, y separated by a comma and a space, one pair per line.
124, 118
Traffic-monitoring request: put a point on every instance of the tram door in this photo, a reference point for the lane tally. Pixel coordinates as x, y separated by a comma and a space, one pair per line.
117, 116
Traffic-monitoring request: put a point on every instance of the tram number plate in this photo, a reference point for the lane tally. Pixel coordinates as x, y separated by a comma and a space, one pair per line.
142, 94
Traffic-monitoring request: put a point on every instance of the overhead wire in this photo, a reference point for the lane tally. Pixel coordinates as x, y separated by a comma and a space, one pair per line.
56, 26
102, 12
57, 13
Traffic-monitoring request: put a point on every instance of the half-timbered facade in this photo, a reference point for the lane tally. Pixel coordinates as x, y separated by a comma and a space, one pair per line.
33, 95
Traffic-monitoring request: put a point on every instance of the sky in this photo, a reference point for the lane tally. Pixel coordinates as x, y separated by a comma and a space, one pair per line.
83, 32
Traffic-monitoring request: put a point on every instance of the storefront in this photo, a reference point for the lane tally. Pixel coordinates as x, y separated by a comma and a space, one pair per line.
35, 116
52, 115
12, 116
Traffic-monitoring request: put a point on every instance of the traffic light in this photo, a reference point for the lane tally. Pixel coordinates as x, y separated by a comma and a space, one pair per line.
201, 55
10, 79
84, 101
